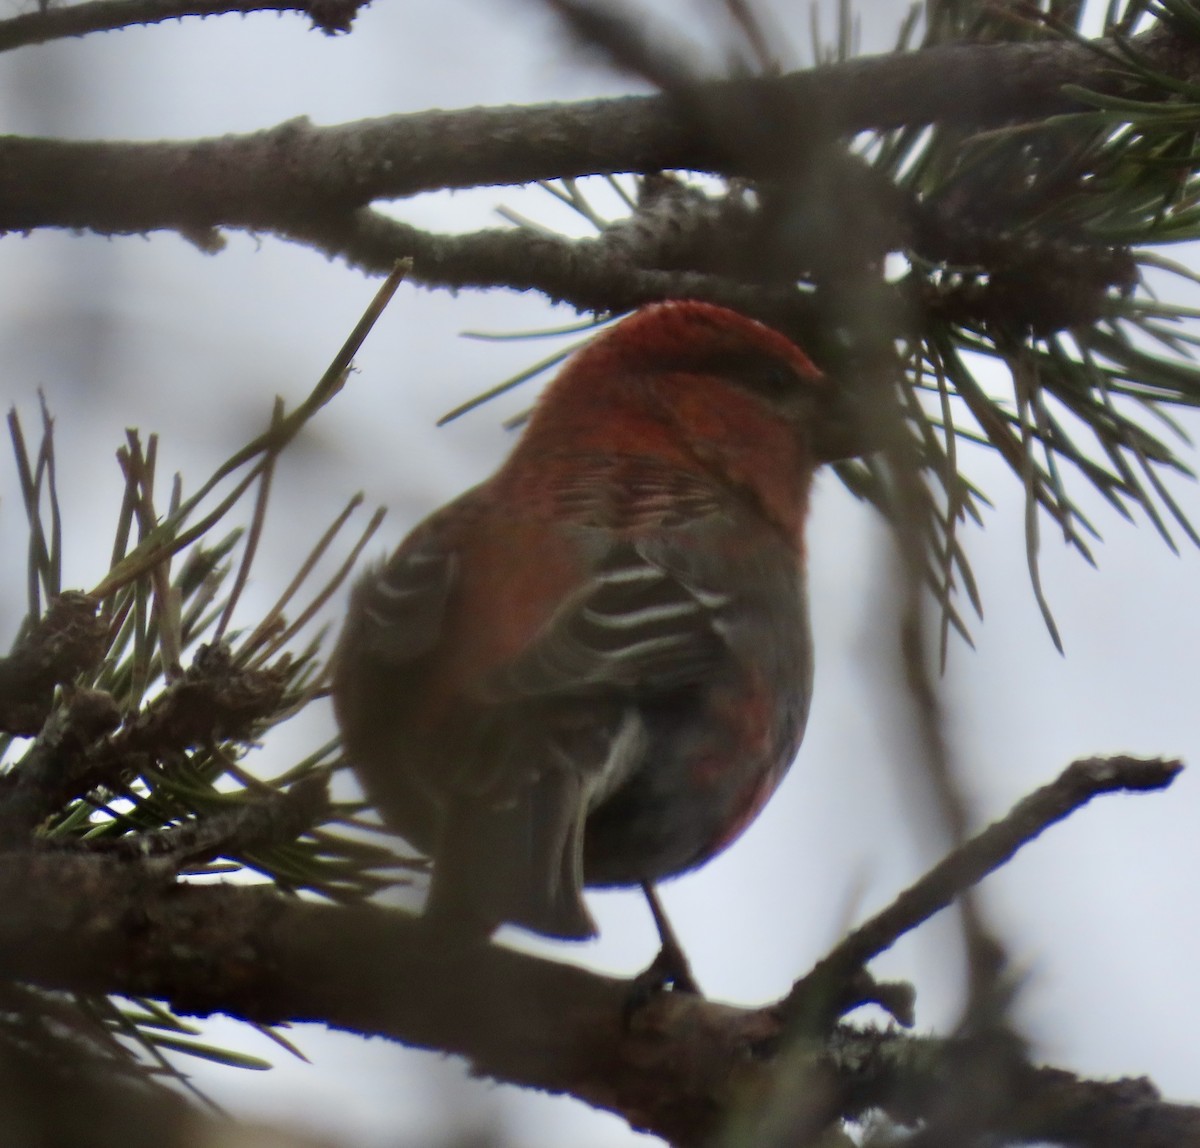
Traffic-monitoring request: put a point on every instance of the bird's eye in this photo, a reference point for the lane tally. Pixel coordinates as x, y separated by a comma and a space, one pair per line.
762, 373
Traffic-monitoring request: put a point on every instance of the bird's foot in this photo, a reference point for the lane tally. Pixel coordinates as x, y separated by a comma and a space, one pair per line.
671, 967
670, 971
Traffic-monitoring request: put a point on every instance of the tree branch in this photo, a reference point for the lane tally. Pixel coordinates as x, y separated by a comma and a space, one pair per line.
677, 1069
59, 646
679, 1066
967, 865
72, 756
330, 16
591, 274
270, 179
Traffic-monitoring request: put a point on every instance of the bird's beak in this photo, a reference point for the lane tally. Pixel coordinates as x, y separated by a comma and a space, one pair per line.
847, 424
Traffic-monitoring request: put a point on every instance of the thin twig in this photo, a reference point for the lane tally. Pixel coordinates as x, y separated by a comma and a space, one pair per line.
967, 865
58, 23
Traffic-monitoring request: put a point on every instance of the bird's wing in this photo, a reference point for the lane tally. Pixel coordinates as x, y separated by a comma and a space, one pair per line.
639, 608
640, 621
624, 587
668, 572
381, 669
400, 606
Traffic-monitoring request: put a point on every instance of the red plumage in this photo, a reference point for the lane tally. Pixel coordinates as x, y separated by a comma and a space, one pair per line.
595, 667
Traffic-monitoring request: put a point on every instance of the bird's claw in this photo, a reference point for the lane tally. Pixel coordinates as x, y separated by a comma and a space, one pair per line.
668, 972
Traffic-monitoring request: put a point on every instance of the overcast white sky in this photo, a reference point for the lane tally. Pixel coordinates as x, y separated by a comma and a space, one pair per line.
1101, 915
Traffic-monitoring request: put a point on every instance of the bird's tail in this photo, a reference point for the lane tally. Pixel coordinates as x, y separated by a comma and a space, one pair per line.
519, 862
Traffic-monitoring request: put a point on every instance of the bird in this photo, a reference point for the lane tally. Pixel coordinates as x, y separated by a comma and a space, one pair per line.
594, 668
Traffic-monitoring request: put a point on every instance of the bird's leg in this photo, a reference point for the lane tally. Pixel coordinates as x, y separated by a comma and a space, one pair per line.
671, 967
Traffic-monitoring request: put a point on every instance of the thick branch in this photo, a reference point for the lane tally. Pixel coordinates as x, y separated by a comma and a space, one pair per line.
95, 925
271, 179
678, 1068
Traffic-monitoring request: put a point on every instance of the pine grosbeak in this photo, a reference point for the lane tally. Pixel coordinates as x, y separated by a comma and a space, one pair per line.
595, 667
